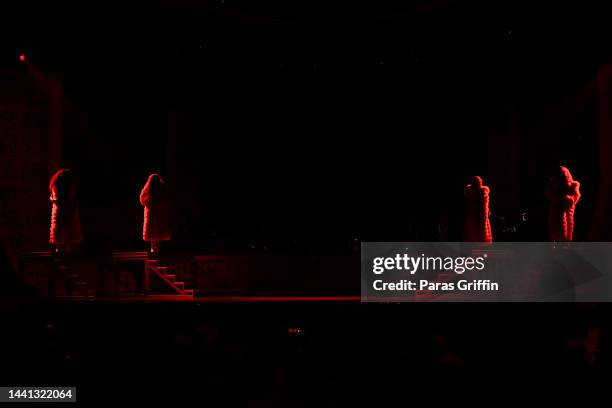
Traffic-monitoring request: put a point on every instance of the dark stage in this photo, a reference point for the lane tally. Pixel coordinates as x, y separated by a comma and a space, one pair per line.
185, 186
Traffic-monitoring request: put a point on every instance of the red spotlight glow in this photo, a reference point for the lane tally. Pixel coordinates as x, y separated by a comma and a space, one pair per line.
22, 57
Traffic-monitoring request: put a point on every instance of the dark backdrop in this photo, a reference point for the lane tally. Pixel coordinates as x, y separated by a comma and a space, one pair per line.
305, 126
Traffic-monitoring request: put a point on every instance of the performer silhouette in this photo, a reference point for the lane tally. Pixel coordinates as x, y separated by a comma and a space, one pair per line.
476, 226
156, 202
563, 193
65, 219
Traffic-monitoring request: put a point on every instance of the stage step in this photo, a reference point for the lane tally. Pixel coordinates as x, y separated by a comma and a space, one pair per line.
162, 272
130, 256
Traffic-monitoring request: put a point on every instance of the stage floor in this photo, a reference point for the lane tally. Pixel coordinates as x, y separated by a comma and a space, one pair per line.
210, 299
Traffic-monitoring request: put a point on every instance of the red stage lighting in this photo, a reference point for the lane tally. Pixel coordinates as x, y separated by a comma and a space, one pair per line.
22, 57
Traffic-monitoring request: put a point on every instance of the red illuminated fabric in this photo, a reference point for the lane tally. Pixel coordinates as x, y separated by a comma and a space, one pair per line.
154, 199
563, 193
476, 227
65, 219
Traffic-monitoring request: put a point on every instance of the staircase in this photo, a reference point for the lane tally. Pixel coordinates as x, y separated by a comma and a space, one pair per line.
153, 267
59, 270
74, 284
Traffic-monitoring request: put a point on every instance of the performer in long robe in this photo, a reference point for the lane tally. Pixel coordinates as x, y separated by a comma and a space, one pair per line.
65, 219
156, 202
476, 226
563, 193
